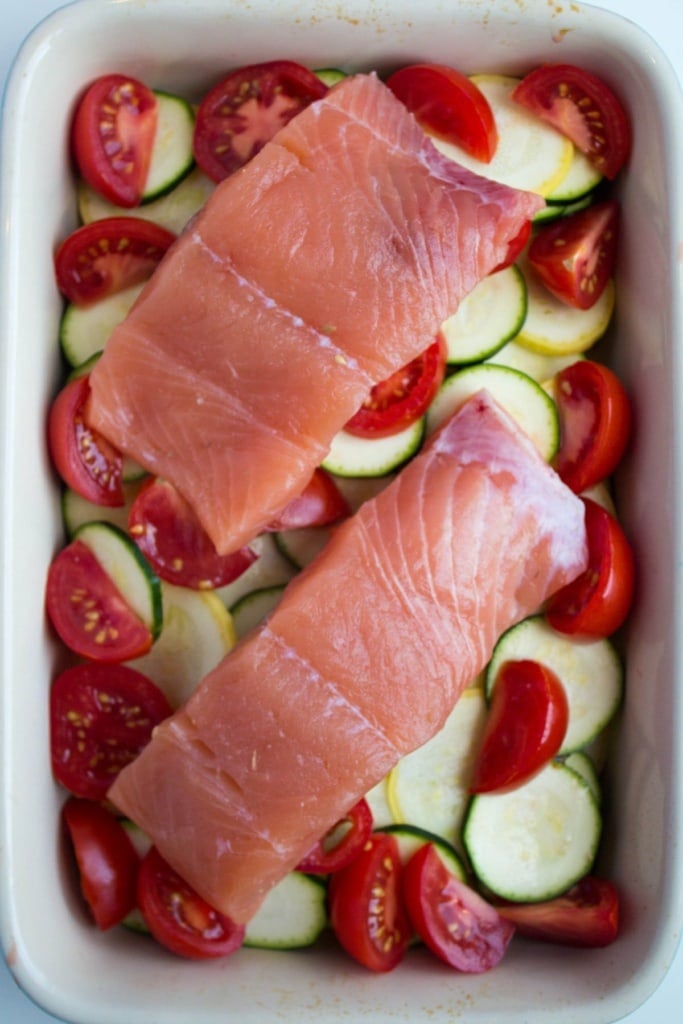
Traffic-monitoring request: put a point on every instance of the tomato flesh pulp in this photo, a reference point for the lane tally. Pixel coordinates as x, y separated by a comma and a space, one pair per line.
596, 604
587, 915
101, 717
320, 504
333, 852
178, 917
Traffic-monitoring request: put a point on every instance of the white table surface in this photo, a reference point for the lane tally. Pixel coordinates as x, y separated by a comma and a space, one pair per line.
663, 19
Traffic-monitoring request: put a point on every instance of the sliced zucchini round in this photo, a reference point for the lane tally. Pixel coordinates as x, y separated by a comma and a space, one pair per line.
301, 546
85, 330
410, 839
128, 569
581, 763
530, 155
197, 633
77, 510
293, 914
253, 608
536, 365
534, 842
330, 76
172, 211
271, 569
487, 318
379, 805
523, 398
369, 457
580, 180
172, 154
590, 671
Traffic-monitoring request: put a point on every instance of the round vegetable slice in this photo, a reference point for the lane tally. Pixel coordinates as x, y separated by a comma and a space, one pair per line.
341, 843
574, 256
106, 858
587, 915
244, 110
454, 921
584, 108
596, 603
84, 459
366, 909
178, 917
396, 403
449, 104
525, 726
101, 717
113, 137
99, 259
175, 543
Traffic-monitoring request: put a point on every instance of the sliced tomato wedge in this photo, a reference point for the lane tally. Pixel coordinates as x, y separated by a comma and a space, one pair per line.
595, 423
85, 460
178, 917
597, 602
450, 105
574, 256
454, 921
587, 915
524, 729
320, 504
341, 844
107, 860
101, 718
246, 108
395, 403
584, 108
516, 246
175, 543
108, 255
366, 908
113, 137
87, 610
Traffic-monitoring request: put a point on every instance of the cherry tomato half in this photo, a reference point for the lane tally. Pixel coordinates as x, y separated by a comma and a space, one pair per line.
174, 542
516, 246
108, 255
85, 460
320, 504
450, 105
113, 137
595, 423
524, 729
341, 844
453, 920
366, 909
245, 110
87, 610
597, 602
178, 917
582, 107
107, 860
587, 915
395, 403
574, 256
101, 717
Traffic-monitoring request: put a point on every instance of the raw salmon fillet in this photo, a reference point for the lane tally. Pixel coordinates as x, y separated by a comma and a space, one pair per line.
319, 269
361, 662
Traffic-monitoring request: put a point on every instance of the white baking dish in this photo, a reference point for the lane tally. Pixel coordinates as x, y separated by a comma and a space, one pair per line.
56, 955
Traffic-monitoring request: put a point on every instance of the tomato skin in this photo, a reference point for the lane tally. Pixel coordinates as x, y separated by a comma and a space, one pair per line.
450, 105
87, 610
403, 398
113, 137
84, 459
524, 729
108, 255
320, 504
596, 604
582, 107
323, 861
178, 917
107, 860
101, 718
586, 916
165, 528
516, 246
245, 109
460, 927
595, 423
574, 256
366, 908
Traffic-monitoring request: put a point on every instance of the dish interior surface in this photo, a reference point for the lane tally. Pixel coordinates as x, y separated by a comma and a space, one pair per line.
57, 956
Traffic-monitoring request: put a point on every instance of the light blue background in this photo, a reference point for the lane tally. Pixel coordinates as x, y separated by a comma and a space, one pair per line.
663, 19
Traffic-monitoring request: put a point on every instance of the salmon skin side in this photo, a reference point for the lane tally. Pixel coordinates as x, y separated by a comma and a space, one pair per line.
360, 663
320, 268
